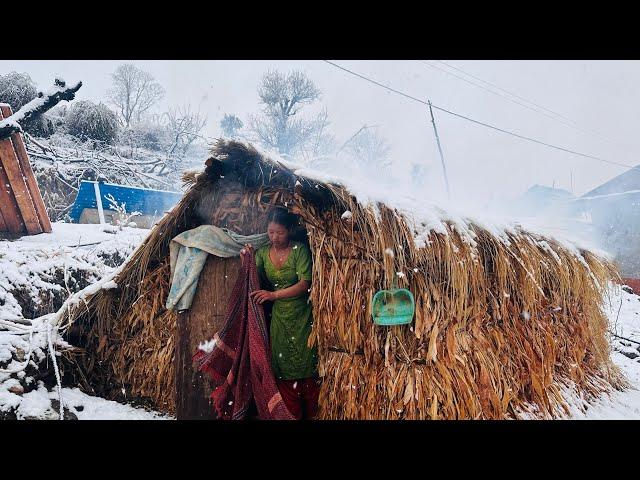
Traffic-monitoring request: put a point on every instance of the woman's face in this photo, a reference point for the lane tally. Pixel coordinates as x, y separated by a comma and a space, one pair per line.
278, 234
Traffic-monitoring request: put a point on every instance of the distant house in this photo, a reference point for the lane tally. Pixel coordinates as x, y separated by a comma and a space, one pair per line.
540, 200
100, 199
614, 211
555, 210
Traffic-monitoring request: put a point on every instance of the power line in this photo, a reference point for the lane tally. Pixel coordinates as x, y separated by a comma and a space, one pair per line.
523, 137
503, 90
569, 122
540, 142
377, 83
486, 89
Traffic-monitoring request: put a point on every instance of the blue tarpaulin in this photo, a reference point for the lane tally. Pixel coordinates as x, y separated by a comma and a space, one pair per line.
144, 200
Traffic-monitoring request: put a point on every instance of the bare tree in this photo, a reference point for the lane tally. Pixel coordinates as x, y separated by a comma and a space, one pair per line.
321, 144
369, 148
280, 126
184, 127
134, 91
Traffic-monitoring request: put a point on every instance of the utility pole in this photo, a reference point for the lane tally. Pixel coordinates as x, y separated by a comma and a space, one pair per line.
571, 171
444, 168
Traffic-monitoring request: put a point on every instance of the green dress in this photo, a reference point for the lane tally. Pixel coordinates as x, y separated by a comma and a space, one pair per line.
291, 318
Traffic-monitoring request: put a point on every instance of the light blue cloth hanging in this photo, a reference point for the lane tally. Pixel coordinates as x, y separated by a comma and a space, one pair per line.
188, 253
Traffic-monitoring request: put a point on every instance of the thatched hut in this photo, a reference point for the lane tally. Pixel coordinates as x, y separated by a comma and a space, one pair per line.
504, 319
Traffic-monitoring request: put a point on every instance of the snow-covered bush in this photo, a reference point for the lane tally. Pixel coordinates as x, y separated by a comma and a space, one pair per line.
41, 126
146, 134
17, 89
58, 115
86, 119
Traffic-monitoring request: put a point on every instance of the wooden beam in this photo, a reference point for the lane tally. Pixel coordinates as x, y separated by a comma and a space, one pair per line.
27, 172
3, 226
8, 206
17, 183
11, 218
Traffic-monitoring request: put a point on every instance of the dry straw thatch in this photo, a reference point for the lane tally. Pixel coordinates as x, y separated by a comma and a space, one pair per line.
501, 325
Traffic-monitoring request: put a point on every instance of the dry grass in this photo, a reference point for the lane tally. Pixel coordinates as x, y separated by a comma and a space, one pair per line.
497, 327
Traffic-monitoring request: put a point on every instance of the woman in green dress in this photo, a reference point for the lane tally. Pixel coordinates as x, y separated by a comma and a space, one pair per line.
284, 267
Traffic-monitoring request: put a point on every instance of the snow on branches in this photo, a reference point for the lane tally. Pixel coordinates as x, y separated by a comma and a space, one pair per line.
37, 106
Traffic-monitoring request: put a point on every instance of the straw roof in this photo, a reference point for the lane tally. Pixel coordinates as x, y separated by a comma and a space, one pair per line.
504, 318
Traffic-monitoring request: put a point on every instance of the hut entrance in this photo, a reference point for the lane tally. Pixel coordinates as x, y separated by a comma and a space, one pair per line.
245, 212
199, 323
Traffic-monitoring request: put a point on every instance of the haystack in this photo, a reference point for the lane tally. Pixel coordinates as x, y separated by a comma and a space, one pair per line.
504, 320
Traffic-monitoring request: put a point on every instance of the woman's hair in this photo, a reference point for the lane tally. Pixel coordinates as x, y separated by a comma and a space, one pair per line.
282, 217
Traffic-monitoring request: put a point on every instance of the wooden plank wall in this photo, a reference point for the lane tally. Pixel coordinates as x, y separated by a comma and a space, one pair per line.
22, 209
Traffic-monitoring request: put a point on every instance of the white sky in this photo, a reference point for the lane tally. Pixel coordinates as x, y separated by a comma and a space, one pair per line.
600, 96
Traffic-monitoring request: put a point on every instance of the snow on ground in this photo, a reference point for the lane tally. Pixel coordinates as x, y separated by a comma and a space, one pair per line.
72, 234
37, 403
96, 408
623, 405
37, 273
623, 310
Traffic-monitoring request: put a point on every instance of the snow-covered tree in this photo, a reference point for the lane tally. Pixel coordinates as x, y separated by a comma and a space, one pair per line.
86, 119
41, 126
280, 126
230, 124
369, 149
134, 92
321, 145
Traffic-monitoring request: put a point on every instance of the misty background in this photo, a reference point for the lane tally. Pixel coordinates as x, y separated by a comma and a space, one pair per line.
599, 96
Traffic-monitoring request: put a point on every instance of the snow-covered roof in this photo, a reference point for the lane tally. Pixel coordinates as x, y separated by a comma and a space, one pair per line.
422, 215
596, 197
625, 182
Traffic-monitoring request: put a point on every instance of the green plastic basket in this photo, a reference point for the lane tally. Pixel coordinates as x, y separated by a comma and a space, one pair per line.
393, 307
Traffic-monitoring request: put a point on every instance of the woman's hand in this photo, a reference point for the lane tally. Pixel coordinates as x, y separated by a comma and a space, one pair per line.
248, 248
261, 296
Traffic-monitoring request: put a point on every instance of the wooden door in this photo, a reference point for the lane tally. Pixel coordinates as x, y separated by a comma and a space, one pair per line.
197, 325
